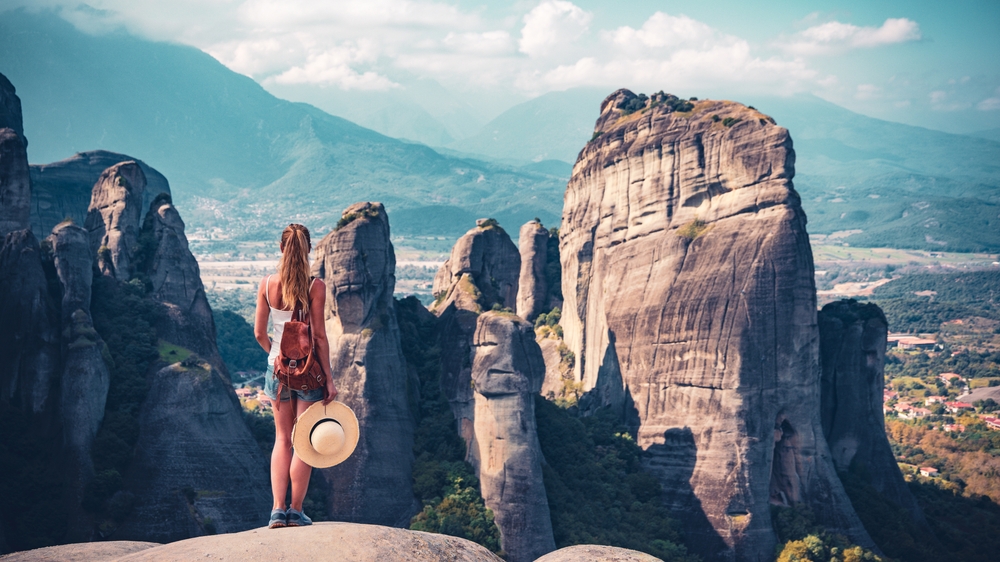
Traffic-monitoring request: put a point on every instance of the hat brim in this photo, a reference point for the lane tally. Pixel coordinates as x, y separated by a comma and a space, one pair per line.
338, 412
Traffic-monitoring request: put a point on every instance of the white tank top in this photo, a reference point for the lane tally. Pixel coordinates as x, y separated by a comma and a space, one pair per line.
278, 319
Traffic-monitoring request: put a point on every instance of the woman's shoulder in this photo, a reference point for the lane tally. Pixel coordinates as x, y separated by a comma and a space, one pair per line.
316, 283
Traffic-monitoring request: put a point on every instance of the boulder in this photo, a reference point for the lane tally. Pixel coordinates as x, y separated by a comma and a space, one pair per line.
597, 553
532, 290
690, 304
331, 542
113, 218
175, 279
507, 373
195, 462
63, 189
358, 265
852, 339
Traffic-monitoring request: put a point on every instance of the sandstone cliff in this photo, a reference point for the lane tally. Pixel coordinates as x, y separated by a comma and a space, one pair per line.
15, 182
113, 218
85, 376
175, 280
533, 289
358, 265
491, 367
192, 437
690, 303
63, 189
852, 348
507, 372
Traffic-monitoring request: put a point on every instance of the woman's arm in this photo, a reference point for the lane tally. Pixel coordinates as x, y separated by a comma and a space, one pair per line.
260, 317
317, 311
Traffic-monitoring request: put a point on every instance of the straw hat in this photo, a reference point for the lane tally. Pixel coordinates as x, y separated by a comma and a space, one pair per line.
325, 435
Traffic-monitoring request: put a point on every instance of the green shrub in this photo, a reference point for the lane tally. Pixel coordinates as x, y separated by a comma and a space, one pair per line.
693, 229
597, 489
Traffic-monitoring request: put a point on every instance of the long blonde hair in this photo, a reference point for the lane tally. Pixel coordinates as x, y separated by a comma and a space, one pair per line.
293, 268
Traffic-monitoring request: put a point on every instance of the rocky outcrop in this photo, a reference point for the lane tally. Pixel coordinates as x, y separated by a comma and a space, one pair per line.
597, 553
29, 326
175, 279
10, 109
85, 377
482, 271
533, 289
332, 542
852, 339
63, 189
192, 437
689, 302
113, 218
357, 263
507, 372
15, 182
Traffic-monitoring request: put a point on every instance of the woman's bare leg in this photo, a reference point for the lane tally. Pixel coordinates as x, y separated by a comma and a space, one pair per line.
281, 455
299, 470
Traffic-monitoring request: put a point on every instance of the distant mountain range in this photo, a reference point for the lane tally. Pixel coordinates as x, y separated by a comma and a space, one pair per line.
238, 158
241, 159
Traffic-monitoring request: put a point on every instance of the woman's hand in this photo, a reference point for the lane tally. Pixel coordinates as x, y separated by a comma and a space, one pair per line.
331, 391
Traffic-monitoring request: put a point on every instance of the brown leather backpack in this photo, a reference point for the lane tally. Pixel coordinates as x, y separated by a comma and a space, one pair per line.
297, 365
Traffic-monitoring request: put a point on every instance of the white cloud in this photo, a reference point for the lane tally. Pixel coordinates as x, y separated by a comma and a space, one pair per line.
552, 24
867, 92
334, 67
663, 31
490, 43
834, 37
989, 104
938, 96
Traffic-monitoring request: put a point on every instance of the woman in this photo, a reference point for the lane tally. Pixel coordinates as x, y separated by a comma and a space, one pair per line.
276, 298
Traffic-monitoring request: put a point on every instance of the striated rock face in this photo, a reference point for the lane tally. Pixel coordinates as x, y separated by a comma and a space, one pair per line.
192, 435
357, 263
113, 218
63, 189
10, 109
507, 372
532, 291
29, 326
85, 377
15, 182
852, 339
689, 301
483, 270
176, 283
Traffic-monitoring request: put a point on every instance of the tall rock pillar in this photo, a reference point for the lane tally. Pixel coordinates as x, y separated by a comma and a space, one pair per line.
113, 218
533, 289
358, 265
15, 181
689, 301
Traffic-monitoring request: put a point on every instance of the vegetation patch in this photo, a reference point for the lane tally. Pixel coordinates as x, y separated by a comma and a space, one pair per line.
597, 490
237, 345
803, 540
348, 218
170, 353
693, 229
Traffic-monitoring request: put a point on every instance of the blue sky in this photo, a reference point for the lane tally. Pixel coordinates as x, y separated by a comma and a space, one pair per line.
923, 63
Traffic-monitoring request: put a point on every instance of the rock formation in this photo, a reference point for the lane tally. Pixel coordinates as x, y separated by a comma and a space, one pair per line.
852, 339
175, 278
10, 109
532, 291
507, 372
15, 181
85, 377
689, 301
191, 436
358, 265
29, 326
597, 553
113, 218
63, 189
482, 271
491, 368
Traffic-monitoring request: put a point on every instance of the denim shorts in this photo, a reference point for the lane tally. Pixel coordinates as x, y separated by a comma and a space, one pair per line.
271, 389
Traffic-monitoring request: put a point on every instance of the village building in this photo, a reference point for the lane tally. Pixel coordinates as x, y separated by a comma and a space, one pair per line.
928, 471
910, 342
992, 423
956, 407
